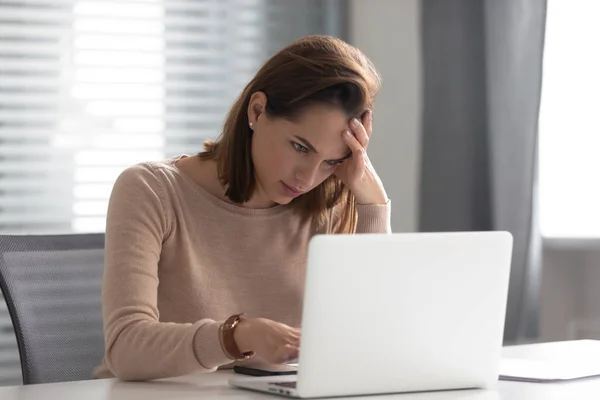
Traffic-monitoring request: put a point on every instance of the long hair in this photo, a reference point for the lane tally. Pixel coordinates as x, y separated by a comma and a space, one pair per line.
313, 70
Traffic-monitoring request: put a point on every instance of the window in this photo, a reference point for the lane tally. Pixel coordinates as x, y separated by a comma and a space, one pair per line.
88, 88
570, 121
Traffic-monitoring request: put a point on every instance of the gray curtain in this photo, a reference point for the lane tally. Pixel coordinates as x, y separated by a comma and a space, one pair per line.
482, 68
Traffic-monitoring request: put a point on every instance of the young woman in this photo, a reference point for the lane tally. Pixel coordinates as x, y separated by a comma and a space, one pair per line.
194, 241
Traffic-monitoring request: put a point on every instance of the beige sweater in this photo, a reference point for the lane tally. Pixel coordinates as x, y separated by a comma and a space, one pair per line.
179, 261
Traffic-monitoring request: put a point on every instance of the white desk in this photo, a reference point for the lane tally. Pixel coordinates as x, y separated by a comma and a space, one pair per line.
214, 386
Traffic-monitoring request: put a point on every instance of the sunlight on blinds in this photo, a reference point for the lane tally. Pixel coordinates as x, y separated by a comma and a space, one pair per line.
88, 88
117, 74
569, 124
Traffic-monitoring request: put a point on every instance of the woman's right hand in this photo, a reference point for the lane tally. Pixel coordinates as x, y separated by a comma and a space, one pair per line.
272, 341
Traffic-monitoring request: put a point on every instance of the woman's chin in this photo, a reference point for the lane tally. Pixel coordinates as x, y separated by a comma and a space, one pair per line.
283, 200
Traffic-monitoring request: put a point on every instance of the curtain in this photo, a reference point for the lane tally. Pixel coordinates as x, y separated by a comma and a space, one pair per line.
482, 70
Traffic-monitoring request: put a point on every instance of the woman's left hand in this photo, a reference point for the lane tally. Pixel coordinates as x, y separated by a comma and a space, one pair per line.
357, 172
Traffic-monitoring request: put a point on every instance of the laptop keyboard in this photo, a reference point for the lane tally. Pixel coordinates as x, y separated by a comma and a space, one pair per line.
290, 385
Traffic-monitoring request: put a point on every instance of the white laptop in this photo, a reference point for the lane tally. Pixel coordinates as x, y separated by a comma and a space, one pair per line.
393, 313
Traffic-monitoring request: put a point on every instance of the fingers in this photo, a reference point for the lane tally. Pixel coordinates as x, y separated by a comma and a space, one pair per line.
355, 146
277, 342
367, 121
360, 132
285, 354
289, 349
292, 337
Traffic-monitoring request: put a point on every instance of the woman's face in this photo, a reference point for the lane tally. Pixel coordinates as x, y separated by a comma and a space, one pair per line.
292, 158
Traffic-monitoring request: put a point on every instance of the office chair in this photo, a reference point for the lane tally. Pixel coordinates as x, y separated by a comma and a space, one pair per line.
52, 287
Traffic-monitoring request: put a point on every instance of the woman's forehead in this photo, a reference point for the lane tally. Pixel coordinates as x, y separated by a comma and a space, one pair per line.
323, 127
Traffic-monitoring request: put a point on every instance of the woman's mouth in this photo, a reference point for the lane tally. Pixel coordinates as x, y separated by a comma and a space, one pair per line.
291, 191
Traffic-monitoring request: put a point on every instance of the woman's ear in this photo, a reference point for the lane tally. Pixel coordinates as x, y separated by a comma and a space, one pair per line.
256, 106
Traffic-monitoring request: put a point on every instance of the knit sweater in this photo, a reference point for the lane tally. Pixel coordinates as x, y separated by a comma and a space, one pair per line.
179, 261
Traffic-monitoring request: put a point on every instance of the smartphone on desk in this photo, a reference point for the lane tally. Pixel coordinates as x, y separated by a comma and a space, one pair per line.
263, 369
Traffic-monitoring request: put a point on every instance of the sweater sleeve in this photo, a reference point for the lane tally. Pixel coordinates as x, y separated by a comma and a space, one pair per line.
371, 218
138, 346
374, 218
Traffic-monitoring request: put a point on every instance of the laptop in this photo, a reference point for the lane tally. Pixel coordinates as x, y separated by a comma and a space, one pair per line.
394, 313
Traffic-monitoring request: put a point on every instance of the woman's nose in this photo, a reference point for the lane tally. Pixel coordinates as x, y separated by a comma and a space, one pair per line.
306, 175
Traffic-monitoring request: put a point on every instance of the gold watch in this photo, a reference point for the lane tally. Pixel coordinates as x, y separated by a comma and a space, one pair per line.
226, 336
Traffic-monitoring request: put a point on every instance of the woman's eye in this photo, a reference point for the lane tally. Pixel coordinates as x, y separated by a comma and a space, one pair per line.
299, 147
333, 163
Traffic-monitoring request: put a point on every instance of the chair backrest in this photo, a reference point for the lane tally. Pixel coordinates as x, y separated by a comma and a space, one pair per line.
52, 286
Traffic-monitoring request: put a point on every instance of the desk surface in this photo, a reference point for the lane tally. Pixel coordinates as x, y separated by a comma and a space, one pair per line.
214, 386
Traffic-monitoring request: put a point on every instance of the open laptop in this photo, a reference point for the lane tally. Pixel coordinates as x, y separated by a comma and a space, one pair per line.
392, 313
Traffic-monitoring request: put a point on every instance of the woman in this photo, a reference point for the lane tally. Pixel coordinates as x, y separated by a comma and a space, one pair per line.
193, 242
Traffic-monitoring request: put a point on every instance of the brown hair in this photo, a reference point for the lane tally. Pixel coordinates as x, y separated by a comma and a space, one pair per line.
312, 70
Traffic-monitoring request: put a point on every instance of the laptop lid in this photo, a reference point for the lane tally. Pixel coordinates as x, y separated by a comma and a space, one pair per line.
387, 313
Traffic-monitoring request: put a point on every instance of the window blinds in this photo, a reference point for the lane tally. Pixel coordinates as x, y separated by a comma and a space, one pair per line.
88, 88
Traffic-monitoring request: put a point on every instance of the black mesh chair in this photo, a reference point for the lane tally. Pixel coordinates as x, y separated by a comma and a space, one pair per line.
52, 287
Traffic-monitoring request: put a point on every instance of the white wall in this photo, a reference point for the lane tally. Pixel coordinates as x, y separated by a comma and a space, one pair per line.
387, 31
